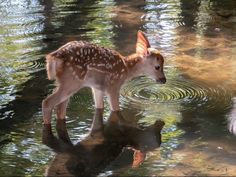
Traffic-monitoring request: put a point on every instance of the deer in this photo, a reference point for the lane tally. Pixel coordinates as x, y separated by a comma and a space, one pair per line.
79, 64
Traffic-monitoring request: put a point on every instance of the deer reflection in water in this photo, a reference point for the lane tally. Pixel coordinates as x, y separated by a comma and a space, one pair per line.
101, 147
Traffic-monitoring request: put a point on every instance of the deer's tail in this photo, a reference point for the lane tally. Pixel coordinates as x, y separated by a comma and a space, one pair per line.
53, 66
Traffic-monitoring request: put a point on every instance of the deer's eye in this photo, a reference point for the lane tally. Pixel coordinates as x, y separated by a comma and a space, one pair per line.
157, 67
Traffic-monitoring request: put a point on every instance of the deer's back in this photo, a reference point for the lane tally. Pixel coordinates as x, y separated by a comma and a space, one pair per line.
80, 57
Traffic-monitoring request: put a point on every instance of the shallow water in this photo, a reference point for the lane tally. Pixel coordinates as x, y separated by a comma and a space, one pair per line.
197, 104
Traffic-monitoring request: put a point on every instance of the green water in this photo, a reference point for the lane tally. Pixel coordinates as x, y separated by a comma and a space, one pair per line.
197, 39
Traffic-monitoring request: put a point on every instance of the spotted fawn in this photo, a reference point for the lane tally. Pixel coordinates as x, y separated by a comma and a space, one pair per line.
80, 64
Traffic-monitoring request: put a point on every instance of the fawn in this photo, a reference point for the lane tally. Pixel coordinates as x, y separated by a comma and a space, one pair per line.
80, 64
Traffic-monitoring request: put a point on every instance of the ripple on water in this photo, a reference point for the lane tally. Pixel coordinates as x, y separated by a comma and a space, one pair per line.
143, 91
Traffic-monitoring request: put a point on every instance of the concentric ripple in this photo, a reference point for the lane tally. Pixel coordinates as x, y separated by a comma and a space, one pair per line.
144, 91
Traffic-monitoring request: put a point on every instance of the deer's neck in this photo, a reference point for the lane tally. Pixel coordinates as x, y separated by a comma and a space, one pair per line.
134, 65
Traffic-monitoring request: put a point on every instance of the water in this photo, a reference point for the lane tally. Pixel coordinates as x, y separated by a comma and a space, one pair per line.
197, 103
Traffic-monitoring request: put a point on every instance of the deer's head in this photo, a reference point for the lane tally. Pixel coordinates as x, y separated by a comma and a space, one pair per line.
152, 59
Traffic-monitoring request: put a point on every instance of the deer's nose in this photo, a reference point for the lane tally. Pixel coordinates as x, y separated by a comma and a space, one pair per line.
162, 80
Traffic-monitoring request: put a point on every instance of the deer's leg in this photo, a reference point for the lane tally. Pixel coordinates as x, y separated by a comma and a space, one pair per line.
48, 105
61, 109
61, 95
113, 98
98, 98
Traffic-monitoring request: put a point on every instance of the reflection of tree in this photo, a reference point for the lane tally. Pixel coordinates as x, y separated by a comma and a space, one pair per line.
189, 11
101, 147
127, 23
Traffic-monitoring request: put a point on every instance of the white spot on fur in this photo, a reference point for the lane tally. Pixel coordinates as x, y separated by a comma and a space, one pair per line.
100, 64
108, 66
79, 67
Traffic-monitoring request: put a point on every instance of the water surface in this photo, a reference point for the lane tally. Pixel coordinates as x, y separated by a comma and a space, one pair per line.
197, 104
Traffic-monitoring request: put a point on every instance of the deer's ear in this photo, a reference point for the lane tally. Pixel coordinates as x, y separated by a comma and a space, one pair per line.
142, 44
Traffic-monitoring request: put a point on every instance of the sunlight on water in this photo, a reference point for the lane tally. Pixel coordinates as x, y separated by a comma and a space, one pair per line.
209, 60
146, 92
20, 31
